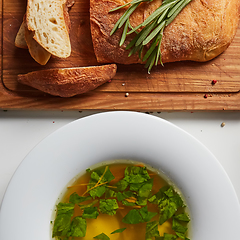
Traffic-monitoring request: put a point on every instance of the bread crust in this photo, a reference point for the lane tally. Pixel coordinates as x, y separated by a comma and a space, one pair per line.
202, 31
67, 82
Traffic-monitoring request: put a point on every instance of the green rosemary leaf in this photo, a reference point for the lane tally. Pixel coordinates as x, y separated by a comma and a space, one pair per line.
162, 16
124, 34
140, 52
184, 4
154, 33
150, 50
157, 12
151, 60
159, 55
134, 50
117, 8
127, 14
174, 9
135, 29
144, 33
132, 43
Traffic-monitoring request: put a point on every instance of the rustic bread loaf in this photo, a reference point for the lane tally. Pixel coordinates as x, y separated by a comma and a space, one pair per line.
67, 82
202, 31
46, 20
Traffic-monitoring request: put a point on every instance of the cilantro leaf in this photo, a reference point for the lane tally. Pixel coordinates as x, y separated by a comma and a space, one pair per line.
104, 174
83, 206
110, 193
152, 230
146, 215
136, 174
102, 236
108, 206
75, 198
95, 190
146, 188
182, 217
90, 212
63, 219
78, 227
98, 177
168, 202
133, 217
179, 228
121, 185
167, 236
118, 230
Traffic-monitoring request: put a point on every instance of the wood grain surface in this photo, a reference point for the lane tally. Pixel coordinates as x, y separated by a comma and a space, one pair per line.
176, 86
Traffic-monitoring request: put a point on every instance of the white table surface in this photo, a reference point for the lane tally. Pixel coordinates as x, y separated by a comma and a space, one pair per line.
20, 131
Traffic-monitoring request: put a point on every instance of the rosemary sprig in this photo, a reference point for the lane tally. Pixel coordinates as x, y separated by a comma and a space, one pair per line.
152, 28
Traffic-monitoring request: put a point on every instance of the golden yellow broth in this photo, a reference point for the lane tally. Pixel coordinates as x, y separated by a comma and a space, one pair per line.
105, 223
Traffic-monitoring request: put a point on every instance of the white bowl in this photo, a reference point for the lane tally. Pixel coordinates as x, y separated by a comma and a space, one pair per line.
29, 201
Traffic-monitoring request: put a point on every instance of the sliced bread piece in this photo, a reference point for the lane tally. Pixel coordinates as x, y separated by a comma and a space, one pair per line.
38, 53
20, 41
67, 82
46, 20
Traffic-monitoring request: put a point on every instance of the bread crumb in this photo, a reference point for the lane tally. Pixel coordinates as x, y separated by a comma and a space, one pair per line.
223, 124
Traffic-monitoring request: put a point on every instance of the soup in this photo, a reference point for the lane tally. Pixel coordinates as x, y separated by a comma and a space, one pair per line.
120, 202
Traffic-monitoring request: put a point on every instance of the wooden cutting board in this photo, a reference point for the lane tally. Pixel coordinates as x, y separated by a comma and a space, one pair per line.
176, 86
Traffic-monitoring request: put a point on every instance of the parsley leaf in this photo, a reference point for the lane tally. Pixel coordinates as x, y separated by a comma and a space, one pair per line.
146, 188
83, 206
146, 215
168, 202
152, 230
98, 177
178, 227
182, 217
108, 206
102, 236
136, 174
90, 212
133, 217
63, 219
75, 198
78, 227
118, 230
121, 185
167, 236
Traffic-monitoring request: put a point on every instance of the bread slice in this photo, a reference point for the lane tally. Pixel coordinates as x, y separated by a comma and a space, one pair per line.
20, 41
67, 82
46, 20
202, 31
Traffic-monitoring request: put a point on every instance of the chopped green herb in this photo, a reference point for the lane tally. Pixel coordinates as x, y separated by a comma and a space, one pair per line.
179, 228
83, 206
134, 191
78, 227
75, 198
136, 174
182, 217
167, 236
108, 206
102, 236
146, 215
133, 217
152, 230
118, 230
63, 219
90, 212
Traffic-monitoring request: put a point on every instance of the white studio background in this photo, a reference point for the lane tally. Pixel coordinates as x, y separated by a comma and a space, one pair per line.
20, 131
